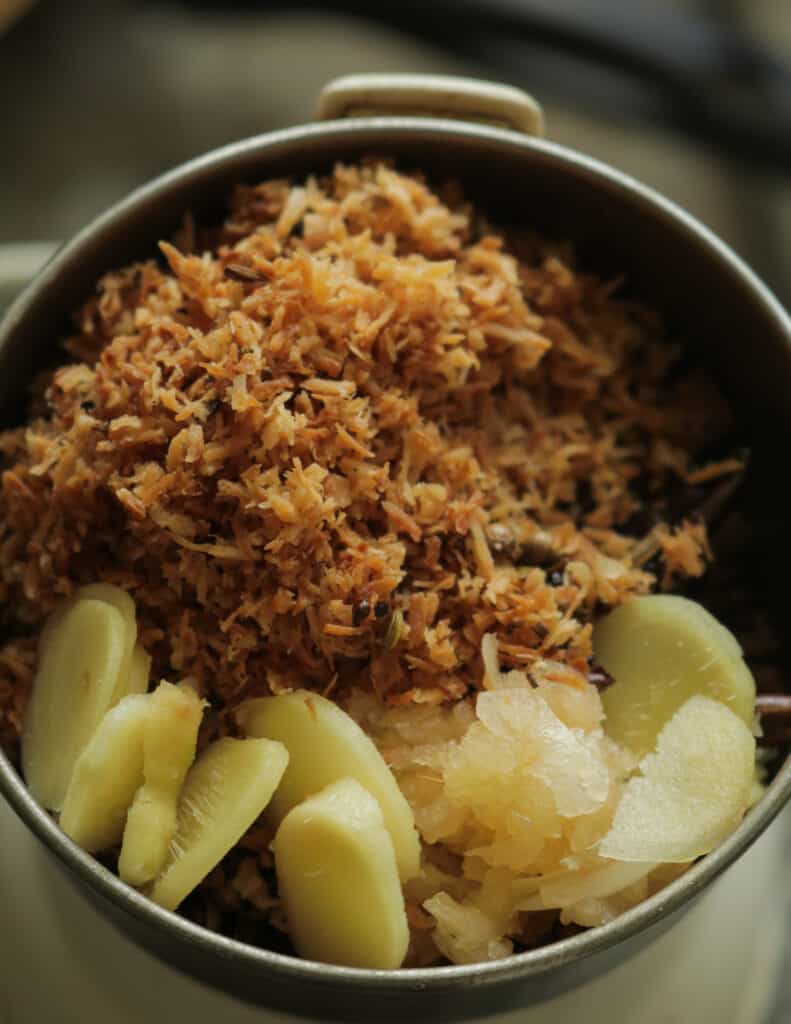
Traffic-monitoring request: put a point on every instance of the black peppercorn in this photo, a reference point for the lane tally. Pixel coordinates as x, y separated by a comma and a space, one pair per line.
361, 611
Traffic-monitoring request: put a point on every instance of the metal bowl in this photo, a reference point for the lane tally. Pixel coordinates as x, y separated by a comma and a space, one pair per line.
672, 262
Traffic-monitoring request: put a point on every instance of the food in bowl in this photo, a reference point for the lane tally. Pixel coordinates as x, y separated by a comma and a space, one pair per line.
357, 460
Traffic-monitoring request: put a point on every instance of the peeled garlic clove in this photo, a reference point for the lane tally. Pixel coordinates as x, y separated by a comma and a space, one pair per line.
81, 655
662, 650
326, 744
226, 789
126, 606
691, 793
106, 777
338, 880
169, 742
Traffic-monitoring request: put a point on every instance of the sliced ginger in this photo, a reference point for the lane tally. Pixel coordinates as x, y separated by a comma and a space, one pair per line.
88, 661
691, 793
226, 789
139, 670
338, 879
106, 777
121, 764
119, 599
79, 676
136, 666
325, 744
169, 742
662, 650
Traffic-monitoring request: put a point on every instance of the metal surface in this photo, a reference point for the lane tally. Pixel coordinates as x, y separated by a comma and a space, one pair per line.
708, 295
468, 99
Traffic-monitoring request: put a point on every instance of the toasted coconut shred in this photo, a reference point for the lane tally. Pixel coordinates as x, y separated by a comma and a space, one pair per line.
357, 441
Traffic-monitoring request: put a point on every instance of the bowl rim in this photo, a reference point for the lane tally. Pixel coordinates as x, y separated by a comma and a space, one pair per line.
521, 966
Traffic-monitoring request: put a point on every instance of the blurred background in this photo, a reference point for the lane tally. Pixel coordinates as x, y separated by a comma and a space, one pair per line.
691, 96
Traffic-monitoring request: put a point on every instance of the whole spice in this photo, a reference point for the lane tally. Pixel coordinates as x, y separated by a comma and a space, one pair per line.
361, 612
600, 677
394, 630
539, 550
501, 539
246, 275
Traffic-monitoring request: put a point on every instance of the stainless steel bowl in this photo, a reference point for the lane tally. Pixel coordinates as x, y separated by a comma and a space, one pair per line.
672, 262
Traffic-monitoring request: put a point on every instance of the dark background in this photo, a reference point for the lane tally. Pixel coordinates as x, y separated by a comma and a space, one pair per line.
96, 96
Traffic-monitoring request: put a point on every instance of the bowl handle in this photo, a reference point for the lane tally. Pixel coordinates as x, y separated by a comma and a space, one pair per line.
464, 99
